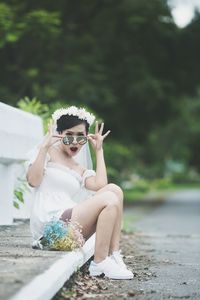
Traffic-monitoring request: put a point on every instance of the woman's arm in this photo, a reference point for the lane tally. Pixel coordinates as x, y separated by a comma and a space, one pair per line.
100, 179
35, 171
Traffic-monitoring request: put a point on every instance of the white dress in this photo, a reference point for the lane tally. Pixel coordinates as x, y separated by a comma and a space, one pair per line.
61, 188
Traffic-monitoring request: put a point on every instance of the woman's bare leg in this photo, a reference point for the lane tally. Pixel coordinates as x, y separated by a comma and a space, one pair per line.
114, 244
104, 230
101, 210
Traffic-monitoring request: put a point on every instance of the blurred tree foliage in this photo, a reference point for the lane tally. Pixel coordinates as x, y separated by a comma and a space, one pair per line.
126, 60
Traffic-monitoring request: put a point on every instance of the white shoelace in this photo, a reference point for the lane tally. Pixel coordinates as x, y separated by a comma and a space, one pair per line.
117, 256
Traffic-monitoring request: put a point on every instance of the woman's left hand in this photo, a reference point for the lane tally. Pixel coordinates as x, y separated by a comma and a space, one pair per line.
98, 138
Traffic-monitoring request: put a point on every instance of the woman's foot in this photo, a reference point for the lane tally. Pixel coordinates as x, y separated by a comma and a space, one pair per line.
110, 269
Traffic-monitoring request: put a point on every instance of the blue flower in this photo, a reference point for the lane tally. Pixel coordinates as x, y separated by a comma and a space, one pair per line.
53, 230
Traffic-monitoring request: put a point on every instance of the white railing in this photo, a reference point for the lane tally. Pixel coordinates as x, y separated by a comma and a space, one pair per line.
19, 132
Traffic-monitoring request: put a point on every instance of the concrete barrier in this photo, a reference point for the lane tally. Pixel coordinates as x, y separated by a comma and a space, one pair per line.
19, 132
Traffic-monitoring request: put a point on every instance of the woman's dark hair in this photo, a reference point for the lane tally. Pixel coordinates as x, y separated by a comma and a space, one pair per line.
69, 121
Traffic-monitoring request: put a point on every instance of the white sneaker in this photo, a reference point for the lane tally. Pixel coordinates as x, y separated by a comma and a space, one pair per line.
117, 257
110, 269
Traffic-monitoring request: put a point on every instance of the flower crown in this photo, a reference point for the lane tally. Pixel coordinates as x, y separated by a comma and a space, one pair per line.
81, 113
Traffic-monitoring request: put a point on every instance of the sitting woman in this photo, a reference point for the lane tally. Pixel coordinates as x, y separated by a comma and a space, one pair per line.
57, 178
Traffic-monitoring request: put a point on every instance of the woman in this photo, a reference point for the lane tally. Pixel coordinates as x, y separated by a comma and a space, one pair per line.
57, 178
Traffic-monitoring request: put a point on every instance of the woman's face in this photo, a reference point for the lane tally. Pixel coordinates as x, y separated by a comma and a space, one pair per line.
74, 139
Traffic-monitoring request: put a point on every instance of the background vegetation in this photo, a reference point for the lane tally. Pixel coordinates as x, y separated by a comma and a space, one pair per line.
125, 60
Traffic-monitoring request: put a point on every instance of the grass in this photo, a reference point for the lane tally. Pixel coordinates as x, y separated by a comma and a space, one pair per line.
134, 194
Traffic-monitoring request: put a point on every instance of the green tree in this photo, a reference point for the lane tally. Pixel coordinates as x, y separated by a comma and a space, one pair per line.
126, 60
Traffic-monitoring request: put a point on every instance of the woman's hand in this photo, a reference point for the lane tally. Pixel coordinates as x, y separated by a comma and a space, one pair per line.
98, 138
51, 138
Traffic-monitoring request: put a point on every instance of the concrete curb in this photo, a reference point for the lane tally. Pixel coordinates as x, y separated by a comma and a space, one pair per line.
47, 284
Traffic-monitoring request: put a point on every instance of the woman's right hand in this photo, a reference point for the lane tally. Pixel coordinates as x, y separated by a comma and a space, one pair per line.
98, 138
51, 138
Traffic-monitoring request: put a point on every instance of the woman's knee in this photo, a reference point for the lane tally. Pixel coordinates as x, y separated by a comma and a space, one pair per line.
116, 189
112, 200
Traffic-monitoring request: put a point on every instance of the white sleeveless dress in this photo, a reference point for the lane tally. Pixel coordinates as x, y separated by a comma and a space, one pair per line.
61, 188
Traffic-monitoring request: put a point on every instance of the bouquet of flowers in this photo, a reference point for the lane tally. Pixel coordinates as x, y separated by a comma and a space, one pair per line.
59, 235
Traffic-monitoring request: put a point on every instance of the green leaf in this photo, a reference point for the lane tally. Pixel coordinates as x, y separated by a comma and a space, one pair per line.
19, 196
16, 204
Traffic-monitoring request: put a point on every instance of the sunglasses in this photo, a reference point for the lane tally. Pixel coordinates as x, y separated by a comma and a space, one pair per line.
69, 139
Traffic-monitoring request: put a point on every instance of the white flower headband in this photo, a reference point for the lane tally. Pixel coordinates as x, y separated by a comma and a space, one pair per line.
81, 113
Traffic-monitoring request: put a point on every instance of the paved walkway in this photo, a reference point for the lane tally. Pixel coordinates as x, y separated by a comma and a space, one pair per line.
19, 263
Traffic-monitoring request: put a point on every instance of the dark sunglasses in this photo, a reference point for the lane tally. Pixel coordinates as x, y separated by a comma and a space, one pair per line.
69, 139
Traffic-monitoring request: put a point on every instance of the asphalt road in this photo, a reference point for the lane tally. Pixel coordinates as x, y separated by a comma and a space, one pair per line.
171, 235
